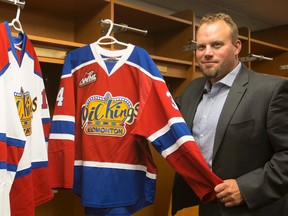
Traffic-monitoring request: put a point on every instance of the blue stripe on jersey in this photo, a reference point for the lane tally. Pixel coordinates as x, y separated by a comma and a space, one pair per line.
77, 57
21, 37
121, 210
3, 165
46, 120
30, 56
12, 141
15, 142
2, 71
8, 167
63, 127
108, 187
3, 137
38, 74
39, 164
176, 131
11, 167
22, 173
140, 57
28, 171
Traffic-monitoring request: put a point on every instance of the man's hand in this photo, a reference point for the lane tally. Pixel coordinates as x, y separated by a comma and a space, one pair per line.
228, 192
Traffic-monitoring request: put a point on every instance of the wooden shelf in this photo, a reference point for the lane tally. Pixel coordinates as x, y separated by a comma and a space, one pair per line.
50, 50
57, 26
264, 48
46, 48
172, 60
54, 42
50, 60
64, 8
154, 22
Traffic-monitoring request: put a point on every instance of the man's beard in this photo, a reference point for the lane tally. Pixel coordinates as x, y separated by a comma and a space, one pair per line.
210, 73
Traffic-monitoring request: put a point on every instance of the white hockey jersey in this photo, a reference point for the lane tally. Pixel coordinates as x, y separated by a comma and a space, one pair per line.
25, 120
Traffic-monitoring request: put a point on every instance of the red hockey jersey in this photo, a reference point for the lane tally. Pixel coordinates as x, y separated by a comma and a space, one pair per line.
27, 113
109, 105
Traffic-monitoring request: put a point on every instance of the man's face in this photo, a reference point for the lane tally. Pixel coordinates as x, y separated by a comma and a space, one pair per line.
215, 54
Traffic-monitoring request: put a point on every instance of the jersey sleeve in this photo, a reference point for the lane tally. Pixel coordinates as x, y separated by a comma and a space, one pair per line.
31, 187
160, 121
11, 150
4, 61
61, 143
62, 133
44, 109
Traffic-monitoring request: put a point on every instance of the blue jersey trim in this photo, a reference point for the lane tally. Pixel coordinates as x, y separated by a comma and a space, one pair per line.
12, 141
2, 71
176, 131
120, 191
77, 57
63, 127
140, 57
23, 173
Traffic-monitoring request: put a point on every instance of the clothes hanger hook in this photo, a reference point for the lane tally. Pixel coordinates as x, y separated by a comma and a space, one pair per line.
110, 27
16, 21
18, 13
20, 3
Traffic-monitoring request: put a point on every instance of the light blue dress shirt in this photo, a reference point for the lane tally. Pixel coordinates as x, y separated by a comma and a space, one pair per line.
208, 112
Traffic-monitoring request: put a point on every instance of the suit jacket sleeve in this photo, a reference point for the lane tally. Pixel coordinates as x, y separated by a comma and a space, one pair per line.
269, 183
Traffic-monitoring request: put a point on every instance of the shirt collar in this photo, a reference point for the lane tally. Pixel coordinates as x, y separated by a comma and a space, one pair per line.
230, 77
227, 80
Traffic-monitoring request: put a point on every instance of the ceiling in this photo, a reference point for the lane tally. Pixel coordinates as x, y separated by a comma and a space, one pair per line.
254, 14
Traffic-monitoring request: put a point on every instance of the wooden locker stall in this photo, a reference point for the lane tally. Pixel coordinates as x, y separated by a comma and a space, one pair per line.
270, 48
57, 26
274, 44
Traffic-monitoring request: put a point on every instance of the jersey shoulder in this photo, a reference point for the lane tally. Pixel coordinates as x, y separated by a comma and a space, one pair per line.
141, 58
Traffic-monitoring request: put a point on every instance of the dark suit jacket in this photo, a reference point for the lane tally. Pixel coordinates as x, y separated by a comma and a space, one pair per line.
251, 145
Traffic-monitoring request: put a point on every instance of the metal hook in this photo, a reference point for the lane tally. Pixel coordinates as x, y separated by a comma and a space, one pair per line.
20, 3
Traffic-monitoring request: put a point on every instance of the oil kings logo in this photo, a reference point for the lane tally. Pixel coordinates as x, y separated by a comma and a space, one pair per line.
107, 115
89, 77
25, 106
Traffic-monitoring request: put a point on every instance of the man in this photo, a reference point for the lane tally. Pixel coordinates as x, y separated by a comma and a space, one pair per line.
239, 119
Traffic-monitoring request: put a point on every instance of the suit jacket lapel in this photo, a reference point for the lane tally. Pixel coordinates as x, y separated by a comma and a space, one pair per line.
234, 97
194, 104
191, 100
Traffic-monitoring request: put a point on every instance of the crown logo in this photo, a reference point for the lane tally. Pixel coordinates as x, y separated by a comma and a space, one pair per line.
25, 106
107, 115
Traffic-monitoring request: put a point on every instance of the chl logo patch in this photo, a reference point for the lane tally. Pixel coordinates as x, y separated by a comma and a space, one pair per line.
107, 115
88, 78
25, 106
